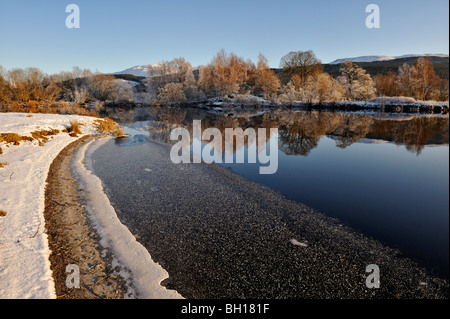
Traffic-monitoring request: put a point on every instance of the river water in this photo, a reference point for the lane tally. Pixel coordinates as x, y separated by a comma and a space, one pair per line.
385, 175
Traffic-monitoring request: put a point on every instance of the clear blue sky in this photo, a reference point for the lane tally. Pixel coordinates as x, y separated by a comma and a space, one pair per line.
115, 35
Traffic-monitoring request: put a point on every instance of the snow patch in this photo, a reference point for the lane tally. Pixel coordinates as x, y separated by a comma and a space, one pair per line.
24, 252
297, 243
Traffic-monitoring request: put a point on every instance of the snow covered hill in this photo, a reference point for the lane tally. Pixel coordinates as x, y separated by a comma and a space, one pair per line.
139, 70
373, 58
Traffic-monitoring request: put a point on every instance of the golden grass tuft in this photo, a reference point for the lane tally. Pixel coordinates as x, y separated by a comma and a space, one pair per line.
42, 135
105, 125
13, 138
2, 213
109, 126
74, 129
3, 164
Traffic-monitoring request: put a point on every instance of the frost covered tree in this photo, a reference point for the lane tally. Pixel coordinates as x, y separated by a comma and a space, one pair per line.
224, 75
177, 71
229, 73
172, 93
407, 80
288, 95
321, 87
265, 80
356, 81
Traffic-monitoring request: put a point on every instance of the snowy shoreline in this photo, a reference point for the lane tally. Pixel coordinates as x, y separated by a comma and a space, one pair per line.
24, 264
146, 274
25, 269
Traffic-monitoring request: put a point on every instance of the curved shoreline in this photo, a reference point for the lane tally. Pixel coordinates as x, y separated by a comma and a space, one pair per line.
71, 237
73, 240
142, 274
219, 235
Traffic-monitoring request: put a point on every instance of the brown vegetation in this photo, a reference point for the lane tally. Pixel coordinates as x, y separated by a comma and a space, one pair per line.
417, 80
42, 135
13, 138
74, 129
107, 125
174, 82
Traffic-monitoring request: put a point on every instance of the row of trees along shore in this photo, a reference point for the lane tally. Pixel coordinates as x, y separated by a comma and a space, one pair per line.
301, 77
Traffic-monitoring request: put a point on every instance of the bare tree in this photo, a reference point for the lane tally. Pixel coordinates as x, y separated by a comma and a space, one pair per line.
265, 80
5, 92
386, 84
101, 86
301, 63
206, 80
426, 77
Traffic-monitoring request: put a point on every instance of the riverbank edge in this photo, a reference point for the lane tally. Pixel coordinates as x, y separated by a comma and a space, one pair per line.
96, 284
72, 238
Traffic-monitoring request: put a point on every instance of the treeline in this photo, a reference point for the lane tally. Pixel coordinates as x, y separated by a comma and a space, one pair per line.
80, 86
302, 78
418, 80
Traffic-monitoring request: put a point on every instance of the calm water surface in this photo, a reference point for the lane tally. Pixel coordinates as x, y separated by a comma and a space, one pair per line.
386, 175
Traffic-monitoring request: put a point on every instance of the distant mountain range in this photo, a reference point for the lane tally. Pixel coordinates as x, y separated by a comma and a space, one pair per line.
139, 70
374, 64
383, 64
376, 58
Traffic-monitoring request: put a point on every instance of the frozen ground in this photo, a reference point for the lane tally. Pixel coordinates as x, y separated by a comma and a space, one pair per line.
24, 265
25, 271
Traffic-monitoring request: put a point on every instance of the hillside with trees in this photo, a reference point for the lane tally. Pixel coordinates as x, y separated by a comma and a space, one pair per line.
301, 78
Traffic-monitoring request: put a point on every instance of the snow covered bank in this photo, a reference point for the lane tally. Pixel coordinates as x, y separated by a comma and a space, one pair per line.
378, 103
25, 271
137, 265
24, 264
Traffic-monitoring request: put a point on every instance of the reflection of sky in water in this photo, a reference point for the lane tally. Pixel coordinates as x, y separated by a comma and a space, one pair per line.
382, 189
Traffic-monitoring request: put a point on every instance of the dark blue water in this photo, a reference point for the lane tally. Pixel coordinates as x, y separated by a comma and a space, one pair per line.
382, 190
388, 179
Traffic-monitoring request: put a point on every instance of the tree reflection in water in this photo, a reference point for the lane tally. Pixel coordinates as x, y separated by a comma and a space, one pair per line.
299, 131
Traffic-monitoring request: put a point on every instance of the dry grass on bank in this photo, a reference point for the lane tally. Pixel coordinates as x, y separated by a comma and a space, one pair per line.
107, 125
74, 129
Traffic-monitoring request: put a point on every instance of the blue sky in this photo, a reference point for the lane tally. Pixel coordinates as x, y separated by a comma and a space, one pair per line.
115, 35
